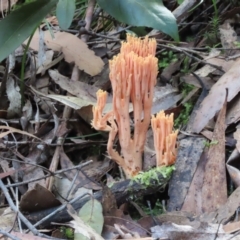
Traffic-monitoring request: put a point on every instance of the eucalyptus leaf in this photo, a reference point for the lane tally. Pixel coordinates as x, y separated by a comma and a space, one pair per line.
19, 24
65, 13
91, 214
149, 13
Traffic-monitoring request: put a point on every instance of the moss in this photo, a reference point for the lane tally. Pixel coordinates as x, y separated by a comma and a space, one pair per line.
146, 178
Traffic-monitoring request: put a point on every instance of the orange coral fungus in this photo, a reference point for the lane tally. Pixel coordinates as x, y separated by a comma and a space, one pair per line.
133, 74
164, 139
99, 122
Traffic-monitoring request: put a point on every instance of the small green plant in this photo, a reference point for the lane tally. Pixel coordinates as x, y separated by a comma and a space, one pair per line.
212, 35
157, 210
237, 44
186, 89
166, 58
185, 67
68, 232
145, 178
183, 118
209, 144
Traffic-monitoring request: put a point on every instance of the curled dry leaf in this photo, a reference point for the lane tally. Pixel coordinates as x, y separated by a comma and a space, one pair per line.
215, 99
73, 48
14, 130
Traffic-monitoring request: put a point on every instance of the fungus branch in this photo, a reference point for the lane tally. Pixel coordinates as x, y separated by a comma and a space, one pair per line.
133, 74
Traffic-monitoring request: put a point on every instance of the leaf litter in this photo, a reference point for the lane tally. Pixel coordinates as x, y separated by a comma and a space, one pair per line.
52, 134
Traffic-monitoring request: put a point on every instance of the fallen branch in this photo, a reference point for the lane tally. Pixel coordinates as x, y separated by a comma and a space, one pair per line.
122, 190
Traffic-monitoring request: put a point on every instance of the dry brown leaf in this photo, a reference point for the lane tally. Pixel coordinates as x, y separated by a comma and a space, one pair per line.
232, 227
228, 38
73, 102
81, 90
7, 219
204, 231
214, 190
215, 99
193, 201
214, 59
14, 130
226, 211
165, 98
73, 48
38, 199
14, 97
81, 180
189, 152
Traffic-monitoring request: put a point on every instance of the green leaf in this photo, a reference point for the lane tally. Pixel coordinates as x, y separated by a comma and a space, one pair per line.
91, 214
149, 13
19, 24
65, 12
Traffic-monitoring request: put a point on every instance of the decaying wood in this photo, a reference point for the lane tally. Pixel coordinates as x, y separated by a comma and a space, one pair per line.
122, 191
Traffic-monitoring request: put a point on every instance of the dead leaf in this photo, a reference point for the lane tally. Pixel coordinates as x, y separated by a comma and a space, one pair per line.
14, 97
81, 90
14, 130
7, 219
214, 190
228, 37
118, 217
215, 99
232, 227
77, 51
108, 201
165, 98
193, 201
189, 152
38, 199
190, 79
47, 62
204, 231
73, 102
226, 211
82, 180
167, 72
214, 59
37, 155
63, 185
